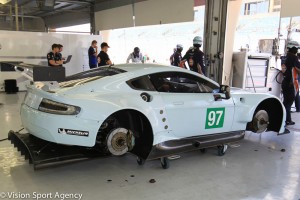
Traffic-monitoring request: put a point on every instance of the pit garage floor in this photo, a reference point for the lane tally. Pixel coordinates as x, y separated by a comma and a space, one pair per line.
263, 166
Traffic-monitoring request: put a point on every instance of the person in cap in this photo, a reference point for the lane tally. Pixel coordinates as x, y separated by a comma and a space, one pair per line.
195, 57
103, 58
177, 57
51, 57
290, 87
136, 56
93, 51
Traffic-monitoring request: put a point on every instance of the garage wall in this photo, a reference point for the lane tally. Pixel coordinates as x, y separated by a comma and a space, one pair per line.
120, 17
67, 19
149, 12
164, 12
31, 47
290, 8
30, 24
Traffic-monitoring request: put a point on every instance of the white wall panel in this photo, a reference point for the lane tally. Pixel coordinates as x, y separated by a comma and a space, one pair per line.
119, 17
153, 12
32, 48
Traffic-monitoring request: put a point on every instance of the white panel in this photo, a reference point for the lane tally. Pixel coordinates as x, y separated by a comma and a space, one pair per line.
32, 48
290, 8
153, 12
120, 17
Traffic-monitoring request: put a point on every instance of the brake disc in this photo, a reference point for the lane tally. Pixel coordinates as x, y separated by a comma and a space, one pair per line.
120, 141
261, 121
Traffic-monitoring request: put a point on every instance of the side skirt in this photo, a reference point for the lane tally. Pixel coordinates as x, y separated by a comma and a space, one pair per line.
172, 147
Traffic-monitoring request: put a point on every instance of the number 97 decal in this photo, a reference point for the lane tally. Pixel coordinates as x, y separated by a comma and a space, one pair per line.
214, 118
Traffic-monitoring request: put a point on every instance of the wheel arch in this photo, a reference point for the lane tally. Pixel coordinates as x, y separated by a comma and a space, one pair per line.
140, 125
275, 111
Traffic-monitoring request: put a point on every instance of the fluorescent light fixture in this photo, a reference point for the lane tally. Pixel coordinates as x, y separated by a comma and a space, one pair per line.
4, 1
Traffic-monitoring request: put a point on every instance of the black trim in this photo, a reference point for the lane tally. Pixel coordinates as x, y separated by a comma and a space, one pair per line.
172, 147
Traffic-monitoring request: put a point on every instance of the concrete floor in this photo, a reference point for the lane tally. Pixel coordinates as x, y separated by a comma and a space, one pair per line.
253, 169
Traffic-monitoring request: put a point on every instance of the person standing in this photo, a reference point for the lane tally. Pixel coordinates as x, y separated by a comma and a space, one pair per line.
195, 57
291, 67
103, 58
93, 51
52, 58
136, 56
172, 57
177, 57
297, 98
58, 54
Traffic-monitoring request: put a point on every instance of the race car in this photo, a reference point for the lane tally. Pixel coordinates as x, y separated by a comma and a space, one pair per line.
152, 111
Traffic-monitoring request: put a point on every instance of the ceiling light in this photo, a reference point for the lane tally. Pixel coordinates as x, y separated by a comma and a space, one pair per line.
4, 1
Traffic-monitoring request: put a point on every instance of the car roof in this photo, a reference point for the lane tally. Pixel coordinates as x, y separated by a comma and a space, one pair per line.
140, 67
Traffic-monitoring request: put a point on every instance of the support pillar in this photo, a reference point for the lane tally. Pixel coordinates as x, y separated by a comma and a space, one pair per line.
92, 19
220, 24
17, 15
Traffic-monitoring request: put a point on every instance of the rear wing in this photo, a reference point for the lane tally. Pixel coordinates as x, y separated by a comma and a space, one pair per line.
41, 73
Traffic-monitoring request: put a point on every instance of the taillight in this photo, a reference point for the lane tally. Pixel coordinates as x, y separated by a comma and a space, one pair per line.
54, 107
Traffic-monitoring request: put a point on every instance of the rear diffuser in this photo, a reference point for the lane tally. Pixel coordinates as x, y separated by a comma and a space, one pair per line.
43, 154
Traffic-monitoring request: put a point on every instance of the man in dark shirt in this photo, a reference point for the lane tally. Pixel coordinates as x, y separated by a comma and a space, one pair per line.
288, 89
177, 57
103, 58
195, 57
52, 58
58, 54
93, 51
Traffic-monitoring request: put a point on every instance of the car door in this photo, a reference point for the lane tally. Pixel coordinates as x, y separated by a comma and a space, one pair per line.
191, 106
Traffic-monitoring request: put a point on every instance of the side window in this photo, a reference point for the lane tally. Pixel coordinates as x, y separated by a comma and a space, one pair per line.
141, 83
179, 82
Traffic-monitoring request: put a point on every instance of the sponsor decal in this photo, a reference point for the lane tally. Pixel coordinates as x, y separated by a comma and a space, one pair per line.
73, 132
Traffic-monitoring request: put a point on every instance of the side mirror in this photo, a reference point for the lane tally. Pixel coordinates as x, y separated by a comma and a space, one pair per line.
225, 89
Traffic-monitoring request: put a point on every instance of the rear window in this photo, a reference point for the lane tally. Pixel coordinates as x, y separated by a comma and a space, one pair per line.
141, 83
76, 82
98, 72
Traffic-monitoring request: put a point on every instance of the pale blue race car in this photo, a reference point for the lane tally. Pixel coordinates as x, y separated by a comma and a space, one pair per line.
152, 111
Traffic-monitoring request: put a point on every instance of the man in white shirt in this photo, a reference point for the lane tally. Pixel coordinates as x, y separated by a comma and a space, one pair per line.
135, 56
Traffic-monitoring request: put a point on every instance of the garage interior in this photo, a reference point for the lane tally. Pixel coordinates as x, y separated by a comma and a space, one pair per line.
242, 42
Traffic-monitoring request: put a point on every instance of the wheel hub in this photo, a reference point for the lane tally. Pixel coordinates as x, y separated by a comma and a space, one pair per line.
261, 121
120, 141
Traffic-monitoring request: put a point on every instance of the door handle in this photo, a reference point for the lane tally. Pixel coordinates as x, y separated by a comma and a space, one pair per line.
178, 103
